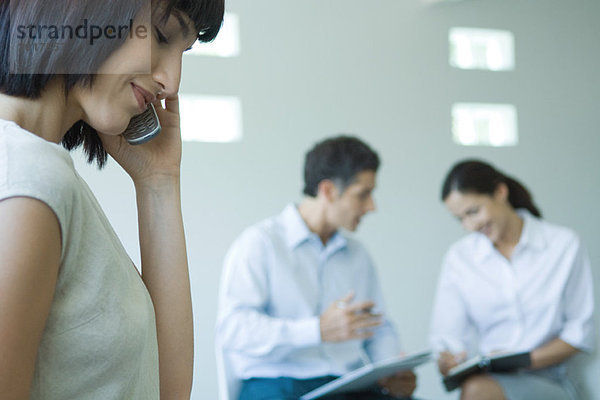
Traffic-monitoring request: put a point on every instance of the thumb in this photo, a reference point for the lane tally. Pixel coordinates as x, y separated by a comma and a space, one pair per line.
348, 297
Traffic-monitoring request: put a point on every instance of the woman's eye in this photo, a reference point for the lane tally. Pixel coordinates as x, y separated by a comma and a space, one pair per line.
161, 38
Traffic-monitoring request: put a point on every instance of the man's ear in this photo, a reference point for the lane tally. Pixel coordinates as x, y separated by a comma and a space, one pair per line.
327, 190
501, 193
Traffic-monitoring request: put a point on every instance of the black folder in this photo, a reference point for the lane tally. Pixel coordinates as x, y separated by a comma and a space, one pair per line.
505, 362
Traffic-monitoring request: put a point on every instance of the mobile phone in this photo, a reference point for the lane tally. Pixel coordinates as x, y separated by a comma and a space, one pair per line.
143, 127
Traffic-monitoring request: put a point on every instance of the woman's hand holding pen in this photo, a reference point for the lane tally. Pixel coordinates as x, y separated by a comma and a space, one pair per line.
447, 361
344, 320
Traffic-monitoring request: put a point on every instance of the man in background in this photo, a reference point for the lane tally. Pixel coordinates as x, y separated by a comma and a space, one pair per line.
300, 303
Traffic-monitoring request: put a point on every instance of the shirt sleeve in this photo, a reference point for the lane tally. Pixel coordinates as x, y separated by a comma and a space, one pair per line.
450, 324
384, 343
578, 301
243, 323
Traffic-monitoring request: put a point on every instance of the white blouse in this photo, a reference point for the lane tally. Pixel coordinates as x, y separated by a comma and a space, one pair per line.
100, 339
543, 292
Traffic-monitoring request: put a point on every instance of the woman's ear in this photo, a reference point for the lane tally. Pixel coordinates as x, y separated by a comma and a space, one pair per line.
501, 193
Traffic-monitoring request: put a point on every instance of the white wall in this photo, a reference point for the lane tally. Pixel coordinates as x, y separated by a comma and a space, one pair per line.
312, 68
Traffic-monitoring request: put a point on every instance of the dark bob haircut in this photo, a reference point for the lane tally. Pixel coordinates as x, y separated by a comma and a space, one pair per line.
475, 176
25, 73
338, 159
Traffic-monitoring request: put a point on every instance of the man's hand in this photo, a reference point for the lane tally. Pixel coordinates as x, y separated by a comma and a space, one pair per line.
401, 384
344, 321
448, 361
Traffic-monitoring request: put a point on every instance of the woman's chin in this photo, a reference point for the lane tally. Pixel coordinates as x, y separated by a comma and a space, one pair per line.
112, 128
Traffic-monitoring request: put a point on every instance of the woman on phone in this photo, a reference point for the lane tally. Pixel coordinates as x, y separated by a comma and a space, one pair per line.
77, 319
519, 282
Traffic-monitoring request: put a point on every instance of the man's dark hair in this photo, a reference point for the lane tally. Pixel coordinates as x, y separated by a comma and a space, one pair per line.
28, 72
338, 159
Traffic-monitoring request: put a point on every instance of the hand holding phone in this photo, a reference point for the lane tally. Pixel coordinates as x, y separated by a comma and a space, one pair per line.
143, 127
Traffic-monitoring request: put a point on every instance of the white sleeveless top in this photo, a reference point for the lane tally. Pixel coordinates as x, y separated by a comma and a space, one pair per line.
100, 341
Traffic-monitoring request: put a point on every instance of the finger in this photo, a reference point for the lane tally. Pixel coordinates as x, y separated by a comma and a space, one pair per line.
362, 306
404, 379
406, 391
347, 298
172, 103
446, 357
356, 318
406, 383
365, 324
360, 335
406, 374
343, 302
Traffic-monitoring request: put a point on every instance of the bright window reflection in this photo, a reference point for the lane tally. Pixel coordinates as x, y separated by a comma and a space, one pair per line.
227, 43
210, 118
487, 49
484, 124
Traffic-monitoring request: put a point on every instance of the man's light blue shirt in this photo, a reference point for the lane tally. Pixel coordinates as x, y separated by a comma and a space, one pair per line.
278, 279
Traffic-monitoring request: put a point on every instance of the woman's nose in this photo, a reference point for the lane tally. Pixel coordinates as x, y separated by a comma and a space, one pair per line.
167, 74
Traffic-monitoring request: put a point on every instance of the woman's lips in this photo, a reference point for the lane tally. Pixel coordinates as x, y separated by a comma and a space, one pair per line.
139, 97
143, 97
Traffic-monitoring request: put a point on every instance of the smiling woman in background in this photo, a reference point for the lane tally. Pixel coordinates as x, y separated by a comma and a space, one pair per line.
77, 319
519, 282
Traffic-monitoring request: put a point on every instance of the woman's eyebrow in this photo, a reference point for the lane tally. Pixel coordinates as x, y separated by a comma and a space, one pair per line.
183, 22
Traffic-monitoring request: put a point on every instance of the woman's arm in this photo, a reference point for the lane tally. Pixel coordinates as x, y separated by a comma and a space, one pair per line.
165, 273
554, 352
30, 248
578, 311
155, 170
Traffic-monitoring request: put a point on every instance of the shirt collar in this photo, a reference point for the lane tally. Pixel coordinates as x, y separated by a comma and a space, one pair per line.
531, 236
296, 232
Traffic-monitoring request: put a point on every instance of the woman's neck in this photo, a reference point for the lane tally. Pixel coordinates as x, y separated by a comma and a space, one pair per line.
511, 235
49, 116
